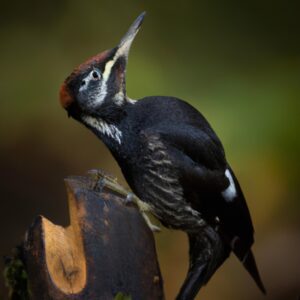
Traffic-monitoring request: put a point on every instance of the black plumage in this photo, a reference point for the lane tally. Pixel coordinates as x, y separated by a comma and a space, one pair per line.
172, 160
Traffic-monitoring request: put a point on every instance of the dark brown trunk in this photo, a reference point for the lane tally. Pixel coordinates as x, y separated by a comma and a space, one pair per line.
106, 250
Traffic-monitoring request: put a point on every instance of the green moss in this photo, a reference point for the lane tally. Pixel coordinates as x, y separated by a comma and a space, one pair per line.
121, 296
15, 276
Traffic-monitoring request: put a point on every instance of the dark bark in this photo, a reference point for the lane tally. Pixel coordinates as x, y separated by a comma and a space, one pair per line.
107, 250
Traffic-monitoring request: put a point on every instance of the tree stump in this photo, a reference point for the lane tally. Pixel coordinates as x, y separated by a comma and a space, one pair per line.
106, 251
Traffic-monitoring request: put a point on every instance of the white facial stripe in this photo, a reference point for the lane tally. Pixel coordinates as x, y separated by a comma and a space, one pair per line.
108, 68
119, 97
110, 64
105, 128
122, 51
230, 192
101, 91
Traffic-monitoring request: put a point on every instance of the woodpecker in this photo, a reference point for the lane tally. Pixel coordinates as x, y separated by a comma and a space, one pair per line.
172, 160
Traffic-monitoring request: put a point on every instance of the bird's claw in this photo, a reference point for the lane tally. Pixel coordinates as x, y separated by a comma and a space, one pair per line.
143, 207
153, 227
102, 179
99, 184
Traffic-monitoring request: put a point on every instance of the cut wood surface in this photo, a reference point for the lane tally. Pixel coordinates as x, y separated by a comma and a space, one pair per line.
106, 250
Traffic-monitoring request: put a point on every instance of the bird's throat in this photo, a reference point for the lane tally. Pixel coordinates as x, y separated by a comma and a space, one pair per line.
104, 130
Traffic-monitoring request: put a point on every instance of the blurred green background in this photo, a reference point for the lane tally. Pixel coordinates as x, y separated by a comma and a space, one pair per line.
238, 62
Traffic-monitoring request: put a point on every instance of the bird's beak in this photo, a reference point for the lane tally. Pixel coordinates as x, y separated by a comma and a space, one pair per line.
126, 41
124, 45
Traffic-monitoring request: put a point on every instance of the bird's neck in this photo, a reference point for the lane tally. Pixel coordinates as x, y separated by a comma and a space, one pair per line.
108, 125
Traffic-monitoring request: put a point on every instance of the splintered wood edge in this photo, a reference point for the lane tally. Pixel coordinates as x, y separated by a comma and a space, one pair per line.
65, 257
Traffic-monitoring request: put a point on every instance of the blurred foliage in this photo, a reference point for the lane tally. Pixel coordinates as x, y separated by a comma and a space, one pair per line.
238, 62
121, 296
15, 276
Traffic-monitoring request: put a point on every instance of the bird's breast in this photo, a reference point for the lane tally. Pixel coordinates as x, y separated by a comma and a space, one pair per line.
155, 180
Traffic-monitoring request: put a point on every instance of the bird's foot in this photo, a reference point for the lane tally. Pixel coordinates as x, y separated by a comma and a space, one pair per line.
99, 173
143, 207
101, 179
152, 227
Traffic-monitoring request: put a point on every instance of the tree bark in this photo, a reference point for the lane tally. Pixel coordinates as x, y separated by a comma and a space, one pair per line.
106, 251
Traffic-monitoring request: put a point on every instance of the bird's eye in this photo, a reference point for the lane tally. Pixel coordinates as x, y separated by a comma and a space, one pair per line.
96, 75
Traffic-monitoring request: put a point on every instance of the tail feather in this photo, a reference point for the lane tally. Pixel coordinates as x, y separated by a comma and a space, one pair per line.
207, 253
250, 265
245, 255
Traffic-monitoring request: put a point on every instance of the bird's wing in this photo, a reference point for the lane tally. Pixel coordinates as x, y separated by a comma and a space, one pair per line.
210, 187
208, 182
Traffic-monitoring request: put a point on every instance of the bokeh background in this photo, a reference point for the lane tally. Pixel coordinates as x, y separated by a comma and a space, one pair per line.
238, 62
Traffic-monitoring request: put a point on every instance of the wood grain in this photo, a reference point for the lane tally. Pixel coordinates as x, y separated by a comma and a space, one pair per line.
107, 249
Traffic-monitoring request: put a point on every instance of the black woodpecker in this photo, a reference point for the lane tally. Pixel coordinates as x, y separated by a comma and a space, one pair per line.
172, 160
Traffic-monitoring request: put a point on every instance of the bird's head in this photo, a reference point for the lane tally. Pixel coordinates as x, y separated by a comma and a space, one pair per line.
96, 88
